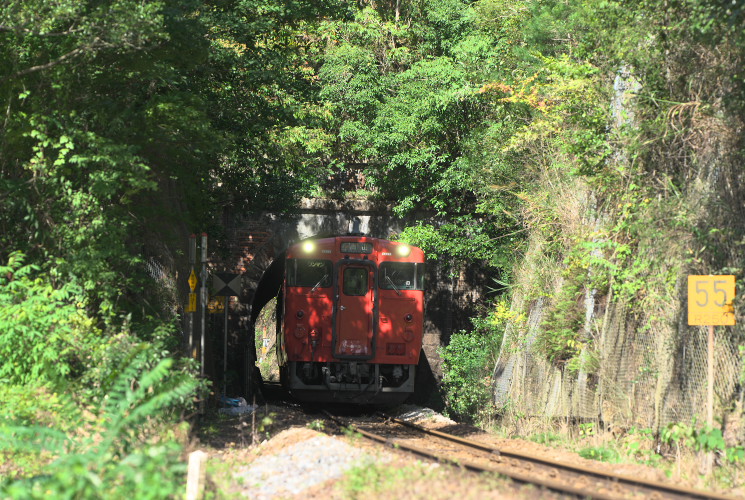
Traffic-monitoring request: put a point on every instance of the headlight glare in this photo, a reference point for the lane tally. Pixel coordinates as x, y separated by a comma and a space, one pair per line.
403, 250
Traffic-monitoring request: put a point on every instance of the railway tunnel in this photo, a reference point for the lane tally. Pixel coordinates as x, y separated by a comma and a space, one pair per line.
256, 375
256, 243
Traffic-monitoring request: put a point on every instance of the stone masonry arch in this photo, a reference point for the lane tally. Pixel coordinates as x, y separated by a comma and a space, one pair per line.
255, 240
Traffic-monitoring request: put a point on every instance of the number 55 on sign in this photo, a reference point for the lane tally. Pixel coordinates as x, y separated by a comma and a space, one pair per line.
710, 300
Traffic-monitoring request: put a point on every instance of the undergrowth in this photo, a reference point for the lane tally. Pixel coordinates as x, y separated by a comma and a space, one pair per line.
370, 478
678, 450
115, 450
468, 360
86, 410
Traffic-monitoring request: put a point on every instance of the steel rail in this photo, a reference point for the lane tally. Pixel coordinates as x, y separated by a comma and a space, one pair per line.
517, 476
668, 488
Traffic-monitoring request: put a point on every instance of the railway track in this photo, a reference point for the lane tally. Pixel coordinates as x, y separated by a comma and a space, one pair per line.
580, 481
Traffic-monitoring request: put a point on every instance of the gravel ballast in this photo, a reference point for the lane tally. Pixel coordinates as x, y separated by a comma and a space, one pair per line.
302, 465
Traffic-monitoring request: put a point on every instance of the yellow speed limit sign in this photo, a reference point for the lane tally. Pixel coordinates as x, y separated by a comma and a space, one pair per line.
710, 300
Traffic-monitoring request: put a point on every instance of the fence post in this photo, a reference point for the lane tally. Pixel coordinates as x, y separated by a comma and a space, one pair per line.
196, 475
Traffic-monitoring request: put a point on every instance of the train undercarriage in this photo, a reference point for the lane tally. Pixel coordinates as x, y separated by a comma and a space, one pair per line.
349, 381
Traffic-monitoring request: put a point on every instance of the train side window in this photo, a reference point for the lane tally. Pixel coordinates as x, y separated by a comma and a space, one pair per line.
356, 281
309, 273
401, 276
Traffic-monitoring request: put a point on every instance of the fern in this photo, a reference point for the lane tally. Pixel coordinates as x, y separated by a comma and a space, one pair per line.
117, 456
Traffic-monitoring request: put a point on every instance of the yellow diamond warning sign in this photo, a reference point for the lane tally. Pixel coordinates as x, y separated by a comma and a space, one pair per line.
193, 280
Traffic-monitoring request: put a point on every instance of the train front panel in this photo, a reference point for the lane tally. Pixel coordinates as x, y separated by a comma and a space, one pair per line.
352, 319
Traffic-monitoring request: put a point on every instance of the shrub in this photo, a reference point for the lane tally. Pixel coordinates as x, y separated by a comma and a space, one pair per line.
468, 361
45, 335
115, 453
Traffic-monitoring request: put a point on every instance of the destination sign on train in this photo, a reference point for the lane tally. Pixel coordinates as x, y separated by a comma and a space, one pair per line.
356, 247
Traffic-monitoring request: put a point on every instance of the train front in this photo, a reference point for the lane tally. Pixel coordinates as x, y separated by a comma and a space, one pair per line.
352, 319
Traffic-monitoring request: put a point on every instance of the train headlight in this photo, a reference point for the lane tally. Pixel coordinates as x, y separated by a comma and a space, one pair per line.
403, 250
309, 246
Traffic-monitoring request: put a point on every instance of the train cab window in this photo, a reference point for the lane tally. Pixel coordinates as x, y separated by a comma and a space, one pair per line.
356, 281
401, 276
315, 273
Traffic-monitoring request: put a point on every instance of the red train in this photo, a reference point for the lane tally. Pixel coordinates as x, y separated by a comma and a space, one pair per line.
350, 320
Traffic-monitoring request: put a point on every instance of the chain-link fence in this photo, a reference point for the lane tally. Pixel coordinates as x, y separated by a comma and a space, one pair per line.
650, 372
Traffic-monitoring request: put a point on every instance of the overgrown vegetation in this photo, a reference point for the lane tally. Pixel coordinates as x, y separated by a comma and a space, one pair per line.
77, 404
621, 124
678, 450
630, 195
125, 125
468, 361
589, 151
111, 450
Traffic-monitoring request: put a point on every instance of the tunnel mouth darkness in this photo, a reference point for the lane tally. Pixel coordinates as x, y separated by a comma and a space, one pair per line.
259, 364
453, 295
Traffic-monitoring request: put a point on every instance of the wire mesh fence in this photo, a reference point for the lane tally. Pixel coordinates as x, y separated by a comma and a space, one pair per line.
649, 374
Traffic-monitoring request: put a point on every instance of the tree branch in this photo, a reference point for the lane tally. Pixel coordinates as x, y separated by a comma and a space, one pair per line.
26, 31
41, 67
48, 65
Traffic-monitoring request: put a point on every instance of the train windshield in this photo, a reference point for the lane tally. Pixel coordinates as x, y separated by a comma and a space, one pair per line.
314, 273
401, 276
356, 281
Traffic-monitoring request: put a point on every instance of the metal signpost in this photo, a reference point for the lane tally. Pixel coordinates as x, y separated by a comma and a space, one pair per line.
710, 303
226, 285
192, 306
203, 300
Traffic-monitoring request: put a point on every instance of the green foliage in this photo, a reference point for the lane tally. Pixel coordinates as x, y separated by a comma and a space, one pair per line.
602, 453
704, 439
587, 429
567, 55
92, 94
560, 338
468, 362
623, 261
467, 383
80, 407
640, 445
46, 336
678, 434
32, 404
49, 341
408, 113
351, 433
262, 90
113, 450
265, 425
317, 425
546, 438
362, 480
461, 241
105, 105
469, 113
